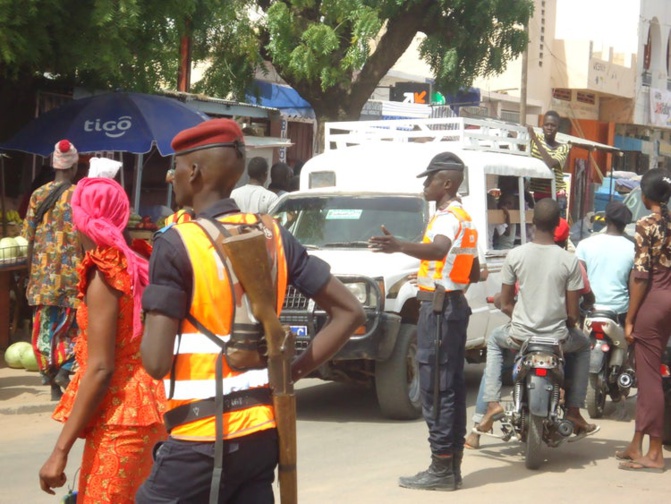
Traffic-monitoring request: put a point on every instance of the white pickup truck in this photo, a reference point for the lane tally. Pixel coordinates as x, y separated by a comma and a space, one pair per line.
368, 177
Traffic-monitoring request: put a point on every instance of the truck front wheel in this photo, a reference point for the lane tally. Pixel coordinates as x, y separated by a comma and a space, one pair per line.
397, 378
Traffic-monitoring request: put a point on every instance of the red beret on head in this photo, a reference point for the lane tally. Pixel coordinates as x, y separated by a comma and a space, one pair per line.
562, 231
209, 134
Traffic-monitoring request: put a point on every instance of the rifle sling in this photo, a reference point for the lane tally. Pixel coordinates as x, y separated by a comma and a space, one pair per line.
217, 471
235, 401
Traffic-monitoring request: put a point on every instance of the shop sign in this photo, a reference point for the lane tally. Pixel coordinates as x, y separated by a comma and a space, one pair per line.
610, 78
411, 92
660, 108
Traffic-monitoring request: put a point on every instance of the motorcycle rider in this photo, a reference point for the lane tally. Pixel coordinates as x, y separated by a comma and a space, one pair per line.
608, 258
561, 238
548, 305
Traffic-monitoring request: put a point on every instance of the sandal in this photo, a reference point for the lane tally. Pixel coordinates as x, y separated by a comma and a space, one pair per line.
489, 420
635, 466
620, 455
584, 431
472, 440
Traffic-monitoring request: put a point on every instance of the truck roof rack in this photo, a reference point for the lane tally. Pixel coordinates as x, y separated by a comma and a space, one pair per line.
466, 133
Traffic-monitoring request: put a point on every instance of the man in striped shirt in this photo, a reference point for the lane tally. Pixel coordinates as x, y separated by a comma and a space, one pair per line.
554, 155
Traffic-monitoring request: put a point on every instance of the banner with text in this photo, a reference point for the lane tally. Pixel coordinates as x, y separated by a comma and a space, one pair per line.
660, 108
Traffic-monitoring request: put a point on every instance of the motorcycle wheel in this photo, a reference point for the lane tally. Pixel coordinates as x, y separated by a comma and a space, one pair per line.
666, 436
596, 396
533, 455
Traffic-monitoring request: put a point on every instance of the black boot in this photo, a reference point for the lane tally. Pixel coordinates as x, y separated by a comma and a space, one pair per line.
456, 461
56, 392
439, 476
62, 378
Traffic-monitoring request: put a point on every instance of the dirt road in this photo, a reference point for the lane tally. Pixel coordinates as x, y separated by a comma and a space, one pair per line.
349, 454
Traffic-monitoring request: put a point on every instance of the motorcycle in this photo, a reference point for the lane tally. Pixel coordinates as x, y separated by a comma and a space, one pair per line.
610, 372
536, 414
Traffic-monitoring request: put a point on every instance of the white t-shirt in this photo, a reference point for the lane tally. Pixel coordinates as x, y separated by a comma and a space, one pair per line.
608, 260
444, 223
253, 198
544, 273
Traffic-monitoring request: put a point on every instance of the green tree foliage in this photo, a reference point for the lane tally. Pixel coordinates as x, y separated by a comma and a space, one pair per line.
333, 52
97, 43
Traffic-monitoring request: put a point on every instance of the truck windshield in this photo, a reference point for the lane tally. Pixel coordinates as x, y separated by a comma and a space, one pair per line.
349, 221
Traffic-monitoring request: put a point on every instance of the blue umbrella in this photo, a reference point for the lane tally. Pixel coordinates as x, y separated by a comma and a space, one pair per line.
122, 122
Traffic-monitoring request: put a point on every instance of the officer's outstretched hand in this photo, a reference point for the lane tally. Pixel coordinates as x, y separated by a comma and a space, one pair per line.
387, 243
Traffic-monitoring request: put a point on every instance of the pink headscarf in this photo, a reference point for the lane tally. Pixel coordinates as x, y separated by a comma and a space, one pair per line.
100, 210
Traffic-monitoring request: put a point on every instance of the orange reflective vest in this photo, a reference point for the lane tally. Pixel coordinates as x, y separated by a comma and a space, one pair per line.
454, 271
177, 217
217, 303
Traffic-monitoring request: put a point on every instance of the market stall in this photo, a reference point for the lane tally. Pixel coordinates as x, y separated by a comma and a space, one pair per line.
13, 268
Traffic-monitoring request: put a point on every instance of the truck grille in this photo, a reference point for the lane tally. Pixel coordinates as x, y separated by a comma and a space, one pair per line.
294, 300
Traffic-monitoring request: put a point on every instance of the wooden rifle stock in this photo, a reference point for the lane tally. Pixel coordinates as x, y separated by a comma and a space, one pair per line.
249, 258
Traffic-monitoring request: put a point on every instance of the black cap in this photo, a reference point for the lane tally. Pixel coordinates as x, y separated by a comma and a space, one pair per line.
443, 161
618, 213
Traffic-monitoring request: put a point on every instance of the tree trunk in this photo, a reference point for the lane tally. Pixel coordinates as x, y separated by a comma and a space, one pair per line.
325, 113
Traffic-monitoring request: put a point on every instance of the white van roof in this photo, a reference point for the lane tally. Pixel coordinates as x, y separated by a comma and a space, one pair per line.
393, 166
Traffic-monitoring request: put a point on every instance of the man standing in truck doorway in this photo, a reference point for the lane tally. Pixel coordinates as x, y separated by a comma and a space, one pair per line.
554, 155
449, 263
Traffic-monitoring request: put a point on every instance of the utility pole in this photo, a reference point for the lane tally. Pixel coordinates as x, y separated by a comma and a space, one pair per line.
523, 85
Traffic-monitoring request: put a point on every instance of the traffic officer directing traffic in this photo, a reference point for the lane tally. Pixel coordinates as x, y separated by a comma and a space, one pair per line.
449, 262
192, 300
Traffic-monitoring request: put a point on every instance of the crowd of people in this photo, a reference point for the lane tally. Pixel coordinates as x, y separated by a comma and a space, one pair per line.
130, 334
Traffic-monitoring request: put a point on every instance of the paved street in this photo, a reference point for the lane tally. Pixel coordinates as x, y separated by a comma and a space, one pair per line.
348, 453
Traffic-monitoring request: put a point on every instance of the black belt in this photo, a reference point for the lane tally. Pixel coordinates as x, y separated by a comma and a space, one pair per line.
204, 408
428, 295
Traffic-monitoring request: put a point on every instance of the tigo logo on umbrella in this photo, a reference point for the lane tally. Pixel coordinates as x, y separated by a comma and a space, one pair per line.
112, 129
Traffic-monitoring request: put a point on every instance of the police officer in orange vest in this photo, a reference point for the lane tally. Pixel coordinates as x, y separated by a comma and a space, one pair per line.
191, 302
449, 262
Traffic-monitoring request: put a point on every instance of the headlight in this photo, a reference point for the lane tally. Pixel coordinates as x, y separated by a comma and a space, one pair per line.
359, 290
364, 291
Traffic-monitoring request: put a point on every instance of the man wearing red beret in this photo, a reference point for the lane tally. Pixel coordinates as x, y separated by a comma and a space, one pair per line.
547, 304
192, 303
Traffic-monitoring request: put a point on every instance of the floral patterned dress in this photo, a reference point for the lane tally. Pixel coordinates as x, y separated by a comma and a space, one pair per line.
120, 437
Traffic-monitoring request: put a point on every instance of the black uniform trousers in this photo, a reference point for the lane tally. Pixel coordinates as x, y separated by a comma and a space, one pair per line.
447, 433
182, 471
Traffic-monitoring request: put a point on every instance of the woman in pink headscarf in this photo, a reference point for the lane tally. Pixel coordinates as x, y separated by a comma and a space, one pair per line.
111, 401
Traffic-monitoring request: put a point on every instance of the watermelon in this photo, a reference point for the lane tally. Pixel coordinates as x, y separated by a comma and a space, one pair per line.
23, 245
14, 353
29, 361
9, 249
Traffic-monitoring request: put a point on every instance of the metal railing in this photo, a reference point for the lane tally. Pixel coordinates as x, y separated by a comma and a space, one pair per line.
468, 133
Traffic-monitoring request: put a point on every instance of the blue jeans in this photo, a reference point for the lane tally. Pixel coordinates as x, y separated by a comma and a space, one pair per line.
480, 403
577, 374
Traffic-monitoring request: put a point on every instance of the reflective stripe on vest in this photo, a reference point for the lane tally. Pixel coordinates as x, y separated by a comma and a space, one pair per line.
193, 374
454, 271
177, 217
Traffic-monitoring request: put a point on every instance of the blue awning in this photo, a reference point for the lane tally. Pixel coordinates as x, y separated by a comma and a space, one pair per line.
463, 98
284, 98
628, 143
